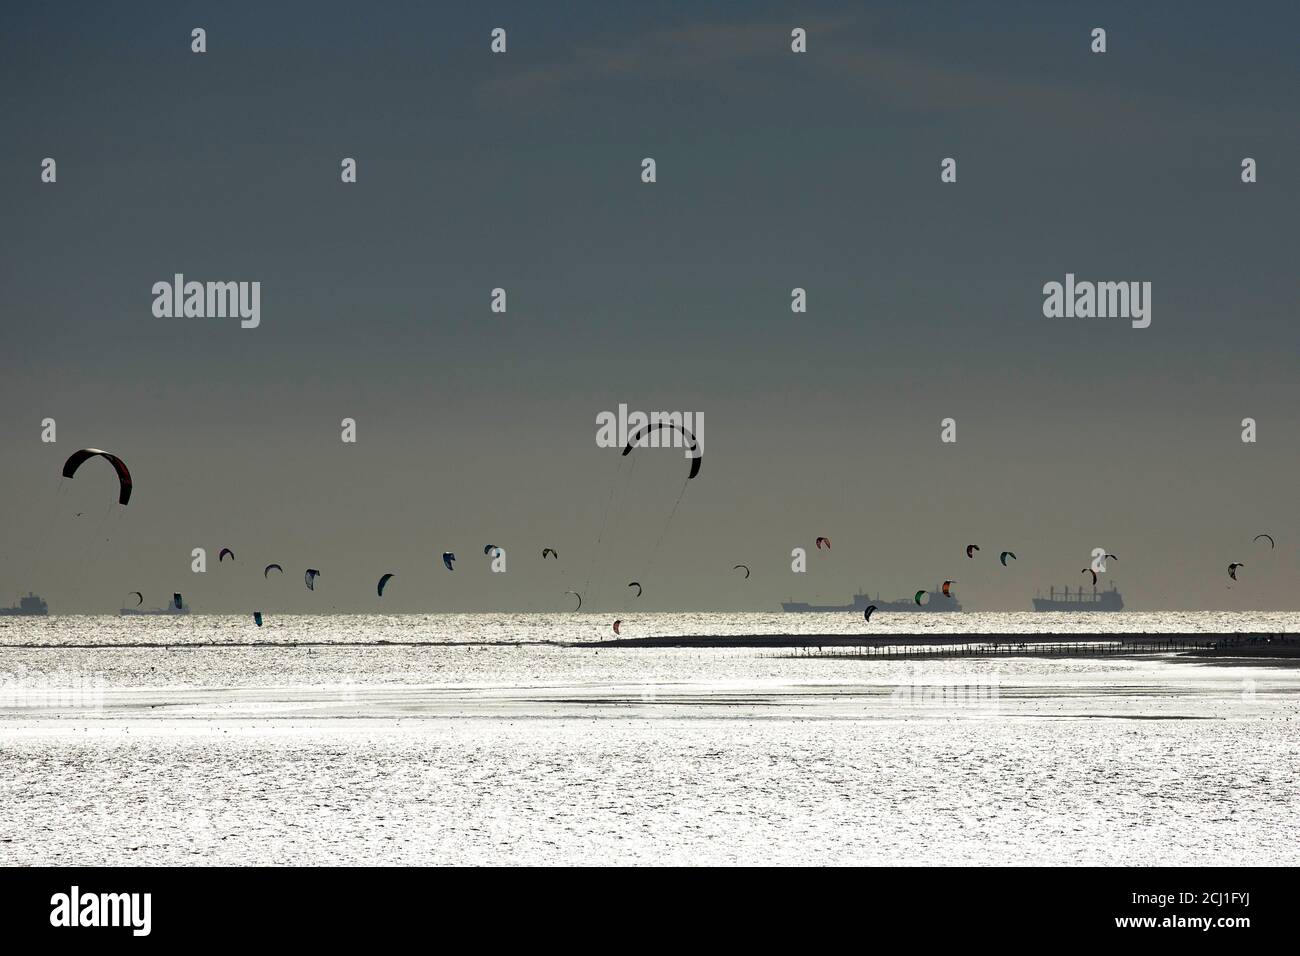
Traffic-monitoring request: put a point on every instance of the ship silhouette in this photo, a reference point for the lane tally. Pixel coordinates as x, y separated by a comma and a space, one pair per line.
861, 601
30, 605
150, 611
1080, 600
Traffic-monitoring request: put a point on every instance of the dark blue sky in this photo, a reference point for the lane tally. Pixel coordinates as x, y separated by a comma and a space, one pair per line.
775, 170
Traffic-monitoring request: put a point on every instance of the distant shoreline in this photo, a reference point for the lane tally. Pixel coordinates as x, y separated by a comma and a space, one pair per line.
1204, 643
1215, 644
856, 640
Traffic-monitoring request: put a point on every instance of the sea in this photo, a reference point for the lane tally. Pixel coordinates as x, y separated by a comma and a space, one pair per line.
504, 739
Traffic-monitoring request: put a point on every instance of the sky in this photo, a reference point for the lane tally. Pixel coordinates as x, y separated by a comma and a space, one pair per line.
775, 170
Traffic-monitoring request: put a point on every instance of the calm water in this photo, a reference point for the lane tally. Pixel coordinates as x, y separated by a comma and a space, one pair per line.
490, 748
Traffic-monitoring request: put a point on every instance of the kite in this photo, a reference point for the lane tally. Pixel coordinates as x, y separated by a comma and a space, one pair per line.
123, 475
697, 457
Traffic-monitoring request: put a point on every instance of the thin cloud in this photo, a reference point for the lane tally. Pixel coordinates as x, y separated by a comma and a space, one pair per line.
657, 54
840, 48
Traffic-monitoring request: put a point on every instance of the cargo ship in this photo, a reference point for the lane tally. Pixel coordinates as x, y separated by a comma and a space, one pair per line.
177, 606
936, 602
1080, 600
30, 605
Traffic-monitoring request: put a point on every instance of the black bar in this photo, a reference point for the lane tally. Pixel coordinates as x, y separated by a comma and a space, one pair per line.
215, 906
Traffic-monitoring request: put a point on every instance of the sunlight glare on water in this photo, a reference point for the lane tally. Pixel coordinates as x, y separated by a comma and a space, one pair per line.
493, 739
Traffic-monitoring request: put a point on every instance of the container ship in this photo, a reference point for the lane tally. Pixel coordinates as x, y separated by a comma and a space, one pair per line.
936, 602
30, 605
1080, 600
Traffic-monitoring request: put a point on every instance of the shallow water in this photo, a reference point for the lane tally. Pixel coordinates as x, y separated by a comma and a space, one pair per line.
205, 751
572, 628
